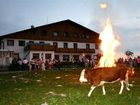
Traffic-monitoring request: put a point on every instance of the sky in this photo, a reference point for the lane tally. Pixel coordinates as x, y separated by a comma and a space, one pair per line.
17, 15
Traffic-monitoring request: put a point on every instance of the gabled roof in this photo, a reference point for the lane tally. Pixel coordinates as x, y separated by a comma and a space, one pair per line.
20, 33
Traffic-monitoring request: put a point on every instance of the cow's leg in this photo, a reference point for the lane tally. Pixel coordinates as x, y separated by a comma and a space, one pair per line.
122, 86
127, 85
103, 88
91, 89
127, 82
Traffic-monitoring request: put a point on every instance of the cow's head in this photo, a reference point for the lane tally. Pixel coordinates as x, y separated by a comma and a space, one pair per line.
82, 76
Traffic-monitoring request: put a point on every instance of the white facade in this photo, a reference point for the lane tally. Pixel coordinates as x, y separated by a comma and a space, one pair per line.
29, 55
5, 57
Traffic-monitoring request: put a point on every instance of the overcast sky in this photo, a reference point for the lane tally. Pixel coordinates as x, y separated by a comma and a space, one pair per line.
17, 15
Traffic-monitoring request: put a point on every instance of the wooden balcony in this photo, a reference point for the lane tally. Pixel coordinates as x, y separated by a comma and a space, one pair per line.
43, 47
39, 47
72, 50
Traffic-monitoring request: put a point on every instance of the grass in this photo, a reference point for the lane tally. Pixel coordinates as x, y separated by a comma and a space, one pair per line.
61, 88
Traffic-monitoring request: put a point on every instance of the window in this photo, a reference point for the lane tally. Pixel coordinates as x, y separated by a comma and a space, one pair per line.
1, 44
76, 58
86, 36
75, 45
36, 55
87, 46
47, 56
21, 43
65, 45
66, 58
55, 44
57, 57
75, 34
65, 34
96, 46
55, 33
41, 42
31, 41
10, 42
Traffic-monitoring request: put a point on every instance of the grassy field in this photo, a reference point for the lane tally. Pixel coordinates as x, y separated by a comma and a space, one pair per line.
61, 88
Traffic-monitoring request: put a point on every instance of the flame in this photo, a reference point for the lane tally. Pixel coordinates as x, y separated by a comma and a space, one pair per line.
108, 45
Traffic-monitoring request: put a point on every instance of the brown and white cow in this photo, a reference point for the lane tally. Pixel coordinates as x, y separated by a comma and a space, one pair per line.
100, 76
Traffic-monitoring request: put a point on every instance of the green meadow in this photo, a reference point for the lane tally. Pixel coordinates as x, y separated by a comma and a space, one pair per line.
61, 87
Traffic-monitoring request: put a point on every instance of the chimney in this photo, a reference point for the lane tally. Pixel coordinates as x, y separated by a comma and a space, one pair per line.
32, 26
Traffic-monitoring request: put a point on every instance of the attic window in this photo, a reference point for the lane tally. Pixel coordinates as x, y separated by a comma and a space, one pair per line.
86, 36
65, 34
76, 34
55, 33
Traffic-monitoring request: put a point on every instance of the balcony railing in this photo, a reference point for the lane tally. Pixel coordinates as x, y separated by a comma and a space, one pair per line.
39, 47
72, 50
43, 47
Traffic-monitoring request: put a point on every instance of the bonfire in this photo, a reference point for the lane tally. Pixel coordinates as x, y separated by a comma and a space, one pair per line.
108, 46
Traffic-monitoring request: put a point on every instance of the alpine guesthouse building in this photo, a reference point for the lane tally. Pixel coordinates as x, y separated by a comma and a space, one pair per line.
64, 40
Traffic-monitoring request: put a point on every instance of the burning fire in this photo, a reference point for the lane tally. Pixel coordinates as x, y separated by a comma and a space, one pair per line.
108, 45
